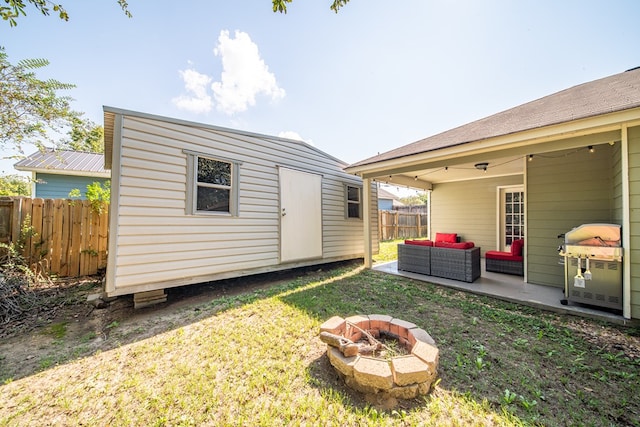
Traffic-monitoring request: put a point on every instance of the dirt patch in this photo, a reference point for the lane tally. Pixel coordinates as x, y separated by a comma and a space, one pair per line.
66, 325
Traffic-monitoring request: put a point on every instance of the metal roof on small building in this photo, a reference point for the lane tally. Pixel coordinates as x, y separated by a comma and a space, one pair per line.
64, 162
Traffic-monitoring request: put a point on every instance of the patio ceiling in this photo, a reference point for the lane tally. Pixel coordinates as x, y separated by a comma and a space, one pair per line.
423, 177
457, 163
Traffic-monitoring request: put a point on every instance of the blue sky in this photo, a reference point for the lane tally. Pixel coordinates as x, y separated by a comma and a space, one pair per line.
375, 76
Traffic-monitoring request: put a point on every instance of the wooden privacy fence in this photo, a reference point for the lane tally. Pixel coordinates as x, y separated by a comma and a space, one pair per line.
401, 225
62, 237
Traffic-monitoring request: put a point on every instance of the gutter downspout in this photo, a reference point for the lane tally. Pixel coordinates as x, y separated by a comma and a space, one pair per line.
626, 225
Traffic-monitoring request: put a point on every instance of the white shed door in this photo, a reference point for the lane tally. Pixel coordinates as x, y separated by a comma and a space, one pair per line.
300, 215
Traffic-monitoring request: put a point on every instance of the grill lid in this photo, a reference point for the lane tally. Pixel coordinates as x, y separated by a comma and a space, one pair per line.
607, 235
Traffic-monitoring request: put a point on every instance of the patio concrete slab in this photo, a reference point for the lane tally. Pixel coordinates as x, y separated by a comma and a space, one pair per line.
514, 289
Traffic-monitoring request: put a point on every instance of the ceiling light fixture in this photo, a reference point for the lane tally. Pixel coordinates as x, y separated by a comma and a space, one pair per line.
481, 166
591, 150
530, 157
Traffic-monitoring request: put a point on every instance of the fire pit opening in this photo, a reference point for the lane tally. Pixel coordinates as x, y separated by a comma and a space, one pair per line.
382, 357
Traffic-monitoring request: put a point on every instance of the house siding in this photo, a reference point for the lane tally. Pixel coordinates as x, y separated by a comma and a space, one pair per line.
385, 204
634, 216
157, 245
564, 190
469, 208
54, 186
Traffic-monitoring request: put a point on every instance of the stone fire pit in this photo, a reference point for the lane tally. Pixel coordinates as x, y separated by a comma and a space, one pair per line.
399, 377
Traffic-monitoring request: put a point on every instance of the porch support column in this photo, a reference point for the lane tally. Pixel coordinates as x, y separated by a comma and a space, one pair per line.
368, 222
626, 225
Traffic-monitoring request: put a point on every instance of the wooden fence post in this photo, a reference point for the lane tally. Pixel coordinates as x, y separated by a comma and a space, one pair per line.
397, 227
56, 236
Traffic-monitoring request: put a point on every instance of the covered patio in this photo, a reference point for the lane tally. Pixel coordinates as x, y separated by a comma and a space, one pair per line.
533, 172
513, 289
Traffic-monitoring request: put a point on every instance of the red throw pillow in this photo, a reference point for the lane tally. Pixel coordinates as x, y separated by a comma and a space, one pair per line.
419, 242
446, 237
516, 247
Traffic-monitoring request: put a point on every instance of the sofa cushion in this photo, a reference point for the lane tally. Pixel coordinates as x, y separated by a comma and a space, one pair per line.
461, 245
517, 246
503, 256
446, 237
419, 242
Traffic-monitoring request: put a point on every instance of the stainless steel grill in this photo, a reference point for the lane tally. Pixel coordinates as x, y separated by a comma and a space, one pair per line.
592, 255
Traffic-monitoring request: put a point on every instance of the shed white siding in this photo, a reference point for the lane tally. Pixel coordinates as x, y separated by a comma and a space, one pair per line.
155, 244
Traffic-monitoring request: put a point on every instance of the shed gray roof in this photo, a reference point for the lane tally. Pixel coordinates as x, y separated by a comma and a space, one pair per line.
384, 194
64, 162
607, 95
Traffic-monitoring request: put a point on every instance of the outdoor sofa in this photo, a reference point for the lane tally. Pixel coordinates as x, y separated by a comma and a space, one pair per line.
507, 262
445, 257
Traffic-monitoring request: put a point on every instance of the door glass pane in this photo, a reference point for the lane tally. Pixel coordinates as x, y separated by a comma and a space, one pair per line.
513, 217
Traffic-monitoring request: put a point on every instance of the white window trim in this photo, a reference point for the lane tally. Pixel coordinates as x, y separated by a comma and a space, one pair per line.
347, 202
191, 206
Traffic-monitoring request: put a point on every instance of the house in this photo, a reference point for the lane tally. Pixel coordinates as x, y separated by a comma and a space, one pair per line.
535, 171
55, 173
387, 200
193, 203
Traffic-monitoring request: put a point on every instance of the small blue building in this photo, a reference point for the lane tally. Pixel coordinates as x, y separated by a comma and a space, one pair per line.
387, 200
56, 172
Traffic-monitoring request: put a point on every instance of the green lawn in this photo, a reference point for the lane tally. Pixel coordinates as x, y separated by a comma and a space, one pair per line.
255, 359
388, 251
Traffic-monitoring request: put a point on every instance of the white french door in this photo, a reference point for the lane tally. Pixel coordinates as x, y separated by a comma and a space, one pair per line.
511, 216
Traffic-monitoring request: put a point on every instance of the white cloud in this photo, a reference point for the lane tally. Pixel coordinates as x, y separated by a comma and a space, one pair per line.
197, 100
289, 134
244, 74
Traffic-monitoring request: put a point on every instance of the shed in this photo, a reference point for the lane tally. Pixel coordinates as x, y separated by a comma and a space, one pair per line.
55, 173
193, 203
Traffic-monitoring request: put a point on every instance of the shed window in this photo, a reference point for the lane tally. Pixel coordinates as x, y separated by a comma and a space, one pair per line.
354, 205
212, 185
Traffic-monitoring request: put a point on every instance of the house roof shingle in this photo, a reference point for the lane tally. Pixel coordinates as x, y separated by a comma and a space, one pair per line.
70, 162
607, 95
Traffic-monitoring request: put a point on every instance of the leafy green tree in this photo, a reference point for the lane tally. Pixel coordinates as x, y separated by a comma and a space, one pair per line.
85, 136
14, 185
418, 199
15, 8
281, 5
411, 201
98, 194
30, 109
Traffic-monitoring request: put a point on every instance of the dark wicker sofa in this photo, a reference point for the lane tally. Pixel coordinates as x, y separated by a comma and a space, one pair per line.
507, 262
415, 257
448, 258
457, 264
